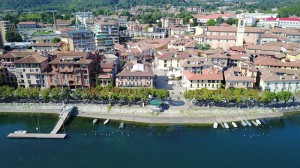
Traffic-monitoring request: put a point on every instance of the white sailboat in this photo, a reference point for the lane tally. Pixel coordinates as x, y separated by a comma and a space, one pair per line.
215, 125
106, 121
234, 124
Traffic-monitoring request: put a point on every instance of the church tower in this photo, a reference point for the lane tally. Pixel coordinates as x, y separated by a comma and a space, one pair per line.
240, 32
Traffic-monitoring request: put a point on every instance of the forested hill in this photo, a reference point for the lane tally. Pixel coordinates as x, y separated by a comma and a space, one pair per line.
77, 4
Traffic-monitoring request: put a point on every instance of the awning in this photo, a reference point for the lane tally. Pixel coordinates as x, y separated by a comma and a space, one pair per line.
156, 103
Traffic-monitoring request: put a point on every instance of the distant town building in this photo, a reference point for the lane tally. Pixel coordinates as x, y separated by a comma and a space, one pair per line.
81, 17
80, 40
106, 34
27, 25
6, 26
204, 18
62, 23
168, 22
39, 47
280, 22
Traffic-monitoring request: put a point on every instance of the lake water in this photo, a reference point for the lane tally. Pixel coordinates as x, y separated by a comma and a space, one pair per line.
274, 145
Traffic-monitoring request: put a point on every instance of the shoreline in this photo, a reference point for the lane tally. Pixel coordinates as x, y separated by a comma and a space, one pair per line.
144, 114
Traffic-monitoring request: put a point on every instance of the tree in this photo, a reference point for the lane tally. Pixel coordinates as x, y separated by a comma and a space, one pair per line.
232, 21
203, 47
44, 93
284, 96
13, 36
210, 22
219, 21
159, 24
55, 40
2, 81
121, 28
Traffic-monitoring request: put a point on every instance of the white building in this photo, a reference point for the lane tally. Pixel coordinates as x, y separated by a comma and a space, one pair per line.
82, 17
280, 22
278, 79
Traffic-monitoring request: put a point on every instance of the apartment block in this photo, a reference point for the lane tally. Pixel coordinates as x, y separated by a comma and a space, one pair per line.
30, 71
72, 70
106, 34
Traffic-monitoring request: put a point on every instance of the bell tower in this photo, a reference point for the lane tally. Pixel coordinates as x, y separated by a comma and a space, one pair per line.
240, 32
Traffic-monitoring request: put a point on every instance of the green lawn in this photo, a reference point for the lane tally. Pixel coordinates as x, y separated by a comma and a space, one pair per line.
41, 33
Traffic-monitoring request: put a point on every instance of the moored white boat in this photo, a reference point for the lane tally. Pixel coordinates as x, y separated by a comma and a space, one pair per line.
106, 121
226, 125
243, 123
121, 125
20, 132
248, 123
95, 121
234, 124
258, 122
215, 125
254, 123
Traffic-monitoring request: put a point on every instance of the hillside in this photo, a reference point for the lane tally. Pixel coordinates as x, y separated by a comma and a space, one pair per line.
76, 4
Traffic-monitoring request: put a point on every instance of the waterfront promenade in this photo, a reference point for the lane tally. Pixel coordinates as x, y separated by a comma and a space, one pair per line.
193, 115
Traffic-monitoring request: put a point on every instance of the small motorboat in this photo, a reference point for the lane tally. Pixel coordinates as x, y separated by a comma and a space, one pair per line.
215, 125
263, 121
20, 132
258, 122
248, 123
121, 125
234, 124
243, 123
95, 121
226, 125
254, 123
106, 121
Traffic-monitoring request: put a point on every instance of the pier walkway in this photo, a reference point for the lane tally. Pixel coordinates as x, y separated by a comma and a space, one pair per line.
63, 115
54, 133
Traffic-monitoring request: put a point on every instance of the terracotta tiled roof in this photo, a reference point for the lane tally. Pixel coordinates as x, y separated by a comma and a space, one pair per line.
237, 48
46, 45
206, 74
234, 74
126, 72
34, 59
271, 75
16, 54
174, 55
264, 48
105, 65
219, 56
104, 76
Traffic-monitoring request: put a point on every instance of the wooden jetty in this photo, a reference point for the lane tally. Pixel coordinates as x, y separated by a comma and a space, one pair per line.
37, 135
54, 133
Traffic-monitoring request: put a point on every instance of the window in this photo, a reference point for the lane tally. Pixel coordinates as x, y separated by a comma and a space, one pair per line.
62, 66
